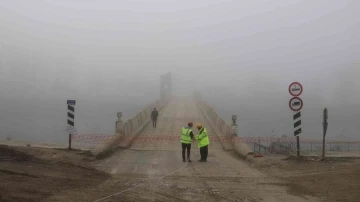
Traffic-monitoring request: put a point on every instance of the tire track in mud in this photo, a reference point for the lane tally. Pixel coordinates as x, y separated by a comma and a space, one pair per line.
220, 181
208, 188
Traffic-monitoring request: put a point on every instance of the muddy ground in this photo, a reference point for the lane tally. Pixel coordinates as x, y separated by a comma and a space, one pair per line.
336, 179
33, 174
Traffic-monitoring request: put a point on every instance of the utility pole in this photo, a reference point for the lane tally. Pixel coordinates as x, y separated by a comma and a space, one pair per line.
325, 125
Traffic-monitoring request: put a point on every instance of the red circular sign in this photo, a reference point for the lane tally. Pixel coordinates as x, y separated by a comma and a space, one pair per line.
296, 104
293, 88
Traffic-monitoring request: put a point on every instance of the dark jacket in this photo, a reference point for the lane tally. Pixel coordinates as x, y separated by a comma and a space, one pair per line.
154, 114
191, 135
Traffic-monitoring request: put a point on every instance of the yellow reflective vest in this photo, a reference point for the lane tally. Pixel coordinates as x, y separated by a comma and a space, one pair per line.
202, 138
185, 135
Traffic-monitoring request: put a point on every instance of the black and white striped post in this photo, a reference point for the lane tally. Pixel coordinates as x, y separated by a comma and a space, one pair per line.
297, 130
71, 118
296, 104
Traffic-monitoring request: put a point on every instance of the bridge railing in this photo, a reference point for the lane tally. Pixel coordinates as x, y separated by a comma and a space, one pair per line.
127, 132
221, 128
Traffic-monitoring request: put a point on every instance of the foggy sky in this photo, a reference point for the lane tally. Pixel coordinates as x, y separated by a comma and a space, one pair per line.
242, 55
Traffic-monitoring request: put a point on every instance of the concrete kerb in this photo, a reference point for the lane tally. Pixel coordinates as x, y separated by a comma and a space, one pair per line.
241, 149
108, 149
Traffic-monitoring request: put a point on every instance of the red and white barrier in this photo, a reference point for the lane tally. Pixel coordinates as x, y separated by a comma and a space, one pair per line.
150, 138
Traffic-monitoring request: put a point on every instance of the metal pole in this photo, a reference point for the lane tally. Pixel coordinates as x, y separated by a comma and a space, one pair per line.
297, 145
259, 145
69, 141
325, 125
323, 152
323, 149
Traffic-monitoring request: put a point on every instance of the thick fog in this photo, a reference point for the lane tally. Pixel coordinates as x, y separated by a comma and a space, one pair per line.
241, 55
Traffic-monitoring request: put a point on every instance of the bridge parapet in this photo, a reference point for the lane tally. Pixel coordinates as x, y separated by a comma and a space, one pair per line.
221, 128
129, 129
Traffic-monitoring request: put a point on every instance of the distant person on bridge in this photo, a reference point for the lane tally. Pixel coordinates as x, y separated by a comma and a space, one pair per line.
154, 116
186, 139
203, 142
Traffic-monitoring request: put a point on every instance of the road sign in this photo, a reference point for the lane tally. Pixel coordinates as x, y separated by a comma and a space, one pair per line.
295, 89
71, 102
296, 104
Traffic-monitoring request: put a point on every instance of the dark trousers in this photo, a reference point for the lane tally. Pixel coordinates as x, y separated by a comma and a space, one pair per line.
204, 152
186, 147
154, 122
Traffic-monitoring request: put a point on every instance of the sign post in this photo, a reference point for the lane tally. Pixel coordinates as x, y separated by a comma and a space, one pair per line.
325, 125
71, 118
296, 104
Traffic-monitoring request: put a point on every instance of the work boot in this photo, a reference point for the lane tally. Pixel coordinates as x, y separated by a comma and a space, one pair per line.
183, 160
202, 160
189, 161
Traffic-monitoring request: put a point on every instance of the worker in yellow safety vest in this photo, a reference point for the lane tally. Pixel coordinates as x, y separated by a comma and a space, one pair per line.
203, 142
186, 140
